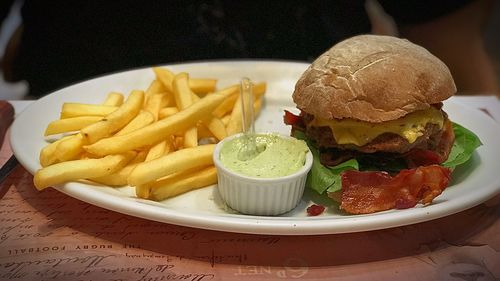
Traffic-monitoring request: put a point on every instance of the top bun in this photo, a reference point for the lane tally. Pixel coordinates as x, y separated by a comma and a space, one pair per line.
373, 78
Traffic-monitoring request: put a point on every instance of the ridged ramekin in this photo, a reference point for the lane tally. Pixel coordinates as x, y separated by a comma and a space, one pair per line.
260, 196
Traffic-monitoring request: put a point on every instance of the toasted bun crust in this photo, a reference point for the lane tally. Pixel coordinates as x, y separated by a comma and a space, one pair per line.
373, 78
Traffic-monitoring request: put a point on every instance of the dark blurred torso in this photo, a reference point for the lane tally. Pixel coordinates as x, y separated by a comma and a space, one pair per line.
68, 41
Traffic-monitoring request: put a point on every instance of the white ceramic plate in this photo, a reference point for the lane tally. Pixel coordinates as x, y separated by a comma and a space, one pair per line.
473, 183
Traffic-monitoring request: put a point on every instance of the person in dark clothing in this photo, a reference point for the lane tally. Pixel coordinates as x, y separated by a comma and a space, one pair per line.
453, 31
63, 42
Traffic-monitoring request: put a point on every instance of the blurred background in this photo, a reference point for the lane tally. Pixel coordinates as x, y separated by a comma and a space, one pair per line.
46, 45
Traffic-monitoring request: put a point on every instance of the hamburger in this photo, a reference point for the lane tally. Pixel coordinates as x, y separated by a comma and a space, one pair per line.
371, 109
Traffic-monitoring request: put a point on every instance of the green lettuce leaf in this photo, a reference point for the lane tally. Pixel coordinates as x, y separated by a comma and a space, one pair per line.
463, 147
336, 185
322, 178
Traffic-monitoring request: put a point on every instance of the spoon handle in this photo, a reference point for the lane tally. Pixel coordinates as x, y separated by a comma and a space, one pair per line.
247, 105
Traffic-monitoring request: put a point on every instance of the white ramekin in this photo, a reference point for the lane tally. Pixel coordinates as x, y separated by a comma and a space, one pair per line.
260, 196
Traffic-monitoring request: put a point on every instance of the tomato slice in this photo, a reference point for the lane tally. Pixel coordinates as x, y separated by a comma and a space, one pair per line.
421, 157
369, 192
290, 118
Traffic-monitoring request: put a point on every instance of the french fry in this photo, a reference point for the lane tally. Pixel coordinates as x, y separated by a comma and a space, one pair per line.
48, 153
259, 89
142, 119
82, 109
158, 150
179, 160
217, 127
159, 130
198, 86
167, 111
214, 124
155, 103
155, 152
113, 99
225, 120
178, 142
155, 87
194, 97
165, 76
203, 131
168, 99
79, 169
228, 104
140, 157
183, 99
70, 148
182, 182
70, 124
115, 120
181, 91
119, 178
191, 137
202, 86
143, 191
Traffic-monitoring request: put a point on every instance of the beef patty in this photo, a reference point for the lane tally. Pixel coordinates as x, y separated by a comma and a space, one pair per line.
333, 153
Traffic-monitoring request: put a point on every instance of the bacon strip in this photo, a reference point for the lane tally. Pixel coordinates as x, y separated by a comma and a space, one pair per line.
369, 192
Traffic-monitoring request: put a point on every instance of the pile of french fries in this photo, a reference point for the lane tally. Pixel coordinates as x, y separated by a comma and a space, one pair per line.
159, 141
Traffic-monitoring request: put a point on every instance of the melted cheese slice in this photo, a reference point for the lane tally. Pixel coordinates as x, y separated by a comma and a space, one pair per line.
410, 127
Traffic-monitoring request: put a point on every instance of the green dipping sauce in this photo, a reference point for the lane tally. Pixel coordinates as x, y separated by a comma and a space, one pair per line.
274, 156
